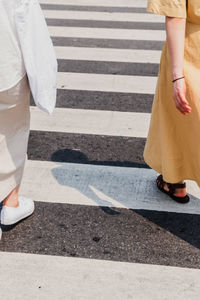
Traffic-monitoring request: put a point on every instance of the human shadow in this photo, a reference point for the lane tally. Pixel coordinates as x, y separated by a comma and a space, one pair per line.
184, 226
102, 185
77, 156
71, 156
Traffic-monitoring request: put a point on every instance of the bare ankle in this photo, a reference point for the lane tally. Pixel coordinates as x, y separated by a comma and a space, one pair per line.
12, 198
11, 202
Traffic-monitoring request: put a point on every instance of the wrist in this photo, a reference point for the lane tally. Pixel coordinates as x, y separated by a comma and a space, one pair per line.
178, 78
176, 74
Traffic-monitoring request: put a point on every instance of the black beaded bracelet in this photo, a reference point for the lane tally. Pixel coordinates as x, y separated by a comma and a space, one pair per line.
178, 78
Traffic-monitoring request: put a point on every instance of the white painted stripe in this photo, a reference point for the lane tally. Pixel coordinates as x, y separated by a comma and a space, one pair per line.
48, 277
113, 123
103, 16
116, 3
94, 185
107, 33
106, 82
106, 54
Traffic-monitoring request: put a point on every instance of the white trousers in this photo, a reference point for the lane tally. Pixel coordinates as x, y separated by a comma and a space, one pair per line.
14, 134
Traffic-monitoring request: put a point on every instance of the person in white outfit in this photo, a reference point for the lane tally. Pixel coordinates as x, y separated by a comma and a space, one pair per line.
14, 120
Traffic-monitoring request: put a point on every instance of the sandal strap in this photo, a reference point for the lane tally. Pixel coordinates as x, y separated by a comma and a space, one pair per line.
179, 185
161, 181
173, 186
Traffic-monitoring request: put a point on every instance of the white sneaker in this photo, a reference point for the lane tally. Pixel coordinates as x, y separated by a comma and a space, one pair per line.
0, 233
11, 215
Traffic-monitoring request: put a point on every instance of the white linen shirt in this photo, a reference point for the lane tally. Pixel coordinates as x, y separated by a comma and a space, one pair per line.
12, 67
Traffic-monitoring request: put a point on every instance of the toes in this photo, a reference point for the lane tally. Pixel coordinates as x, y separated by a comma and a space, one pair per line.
166, 188
158, 182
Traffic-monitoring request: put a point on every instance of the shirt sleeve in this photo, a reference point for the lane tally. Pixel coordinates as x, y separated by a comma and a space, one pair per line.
170, 8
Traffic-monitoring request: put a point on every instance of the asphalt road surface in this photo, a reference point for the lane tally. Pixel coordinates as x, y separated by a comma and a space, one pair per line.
101, 230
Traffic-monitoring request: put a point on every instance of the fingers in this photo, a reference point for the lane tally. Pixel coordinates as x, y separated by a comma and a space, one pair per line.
184, 103
179, 97
181, 103
180, 107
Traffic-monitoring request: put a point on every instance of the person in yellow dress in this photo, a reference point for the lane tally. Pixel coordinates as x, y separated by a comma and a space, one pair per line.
173, 142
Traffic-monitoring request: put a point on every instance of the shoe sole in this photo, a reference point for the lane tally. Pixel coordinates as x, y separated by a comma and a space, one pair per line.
19, 219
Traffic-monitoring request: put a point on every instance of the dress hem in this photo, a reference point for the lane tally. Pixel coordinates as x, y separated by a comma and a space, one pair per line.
158, 170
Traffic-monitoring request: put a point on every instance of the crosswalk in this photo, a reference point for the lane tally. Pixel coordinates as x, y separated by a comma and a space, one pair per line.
101, 230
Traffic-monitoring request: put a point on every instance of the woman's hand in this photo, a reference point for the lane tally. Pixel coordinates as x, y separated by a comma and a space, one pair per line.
179, 93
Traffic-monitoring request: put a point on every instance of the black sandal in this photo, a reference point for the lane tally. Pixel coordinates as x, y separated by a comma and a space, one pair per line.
172, 187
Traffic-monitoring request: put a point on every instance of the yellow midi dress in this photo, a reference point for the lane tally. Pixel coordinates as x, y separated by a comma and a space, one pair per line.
173, 143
